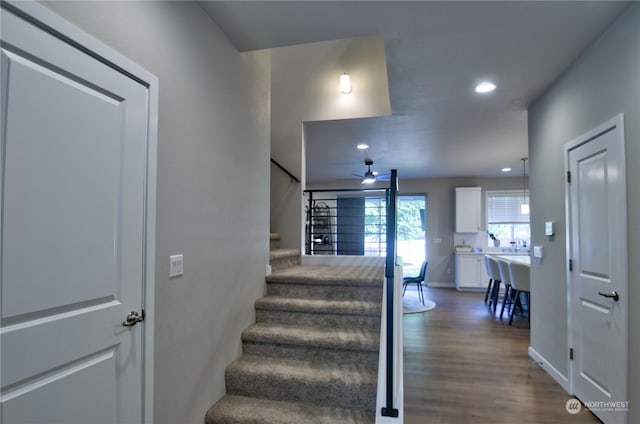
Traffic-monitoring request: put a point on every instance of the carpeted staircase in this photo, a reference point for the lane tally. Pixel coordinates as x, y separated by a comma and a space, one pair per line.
280, 258
312, 356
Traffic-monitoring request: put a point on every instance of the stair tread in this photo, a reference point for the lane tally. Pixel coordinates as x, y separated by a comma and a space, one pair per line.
244, 410
330, 275
312, 337
283, 253
274, 236
310, 305
309, 372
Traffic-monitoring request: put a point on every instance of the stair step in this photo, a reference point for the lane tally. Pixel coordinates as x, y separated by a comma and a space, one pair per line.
308, 344
331, 275
244, 410
319, 313
281, 259
274, 241
324, 384
320, 306
325, 282
283, 253
329, 292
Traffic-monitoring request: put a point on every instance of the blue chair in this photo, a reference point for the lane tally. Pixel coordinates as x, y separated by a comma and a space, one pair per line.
416, 280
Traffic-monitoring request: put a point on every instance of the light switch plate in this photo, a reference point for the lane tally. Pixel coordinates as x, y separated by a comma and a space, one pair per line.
537, 251
176, 265
548, 228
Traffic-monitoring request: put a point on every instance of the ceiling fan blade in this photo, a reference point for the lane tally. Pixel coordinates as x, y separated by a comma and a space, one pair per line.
383, 177
358, 175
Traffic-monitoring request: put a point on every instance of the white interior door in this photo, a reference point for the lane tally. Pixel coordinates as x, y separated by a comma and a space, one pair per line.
73, 168
598, 282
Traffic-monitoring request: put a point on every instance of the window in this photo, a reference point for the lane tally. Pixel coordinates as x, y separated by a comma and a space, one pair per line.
410, 230
504, 219
375, 226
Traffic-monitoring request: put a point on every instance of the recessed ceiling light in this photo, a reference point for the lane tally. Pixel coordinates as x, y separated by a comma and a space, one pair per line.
362, 146
485, 87
506, 169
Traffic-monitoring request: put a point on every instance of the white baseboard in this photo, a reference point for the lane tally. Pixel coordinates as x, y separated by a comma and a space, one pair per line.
550, 369
445, 285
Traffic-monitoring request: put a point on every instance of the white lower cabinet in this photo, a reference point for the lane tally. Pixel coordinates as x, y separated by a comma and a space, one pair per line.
471, 273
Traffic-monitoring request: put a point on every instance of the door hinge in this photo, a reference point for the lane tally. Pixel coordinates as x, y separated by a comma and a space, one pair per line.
568, 176
571, 353
570, 264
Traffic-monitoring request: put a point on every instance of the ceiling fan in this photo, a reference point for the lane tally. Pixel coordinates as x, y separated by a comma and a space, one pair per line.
370, 176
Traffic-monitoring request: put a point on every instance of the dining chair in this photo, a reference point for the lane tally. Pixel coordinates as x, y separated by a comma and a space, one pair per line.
416, 280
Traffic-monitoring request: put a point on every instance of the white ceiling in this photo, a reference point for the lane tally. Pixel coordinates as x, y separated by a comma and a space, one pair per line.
436, 53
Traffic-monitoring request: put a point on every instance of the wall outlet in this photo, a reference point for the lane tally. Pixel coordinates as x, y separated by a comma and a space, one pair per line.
176, 265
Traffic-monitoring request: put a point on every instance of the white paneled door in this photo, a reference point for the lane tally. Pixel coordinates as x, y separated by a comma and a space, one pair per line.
598, 281
74, 175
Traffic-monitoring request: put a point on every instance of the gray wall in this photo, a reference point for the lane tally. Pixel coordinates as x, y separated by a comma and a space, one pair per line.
313, 95
441, 216
213, 189
603, 82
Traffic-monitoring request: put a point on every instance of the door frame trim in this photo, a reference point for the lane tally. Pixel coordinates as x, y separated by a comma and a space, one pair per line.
611, 124
57, 26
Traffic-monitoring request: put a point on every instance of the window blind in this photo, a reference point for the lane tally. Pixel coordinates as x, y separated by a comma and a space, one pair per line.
503, 207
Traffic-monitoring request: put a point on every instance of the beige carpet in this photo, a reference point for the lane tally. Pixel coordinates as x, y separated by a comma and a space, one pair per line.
312, 355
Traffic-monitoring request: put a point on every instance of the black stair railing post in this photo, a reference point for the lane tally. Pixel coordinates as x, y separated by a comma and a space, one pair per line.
392, 195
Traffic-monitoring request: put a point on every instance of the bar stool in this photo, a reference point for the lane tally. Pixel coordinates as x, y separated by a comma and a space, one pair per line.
520, 283
495, 275
503, 266
488, 267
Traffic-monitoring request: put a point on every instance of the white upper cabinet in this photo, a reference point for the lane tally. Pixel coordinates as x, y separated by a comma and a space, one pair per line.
468, 205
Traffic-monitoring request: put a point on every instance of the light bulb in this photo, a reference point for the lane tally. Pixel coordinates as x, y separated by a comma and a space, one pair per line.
485, 87
345, 84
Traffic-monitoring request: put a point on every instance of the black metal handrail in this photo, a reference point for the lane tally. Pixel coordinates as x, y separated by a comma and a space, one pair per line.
285, 170
392, 193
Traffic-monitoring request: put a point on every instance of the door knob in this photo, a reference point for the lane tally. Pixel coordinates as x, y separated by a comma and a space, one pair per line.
133, 318
613, 295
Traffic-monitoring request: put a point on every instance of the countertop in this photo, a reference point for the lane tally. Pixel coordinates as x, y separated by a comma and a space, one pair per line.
495, 252
519, 259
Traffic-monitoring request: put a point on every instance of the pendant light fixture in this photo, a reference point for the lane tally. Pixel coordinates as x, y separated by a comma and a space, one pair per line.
524, 207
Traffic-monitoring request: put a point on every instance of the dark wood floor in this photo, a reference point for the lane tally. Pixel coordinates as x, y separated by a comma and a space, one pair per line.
463, 365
